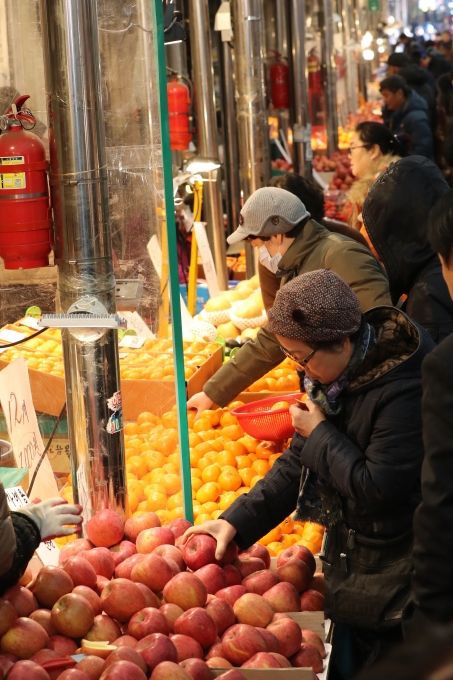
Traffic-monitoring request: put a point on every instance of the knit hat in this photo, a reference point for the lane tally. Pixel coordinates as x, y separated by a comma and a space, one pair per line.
269, 211
398, 59
315, 307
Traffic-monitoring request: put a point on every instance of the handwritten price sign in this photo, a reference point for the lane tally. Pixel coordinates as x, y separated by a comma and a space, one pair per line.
17, 405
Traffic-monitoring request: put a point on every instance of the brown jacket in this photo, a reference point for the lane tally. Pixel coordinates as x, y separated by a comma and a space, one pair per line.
314, 248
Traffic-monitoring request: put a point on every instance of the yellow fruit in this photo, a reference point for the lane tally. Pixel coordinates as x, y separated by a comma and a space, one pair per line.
217, 304
254, 282
231, 295
247, 310
228, 330
279, 404
250, 333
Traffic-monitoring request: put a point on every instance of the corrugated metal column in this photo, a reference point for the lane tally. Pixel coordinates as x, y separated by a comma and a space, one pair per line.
325, 23
301, 111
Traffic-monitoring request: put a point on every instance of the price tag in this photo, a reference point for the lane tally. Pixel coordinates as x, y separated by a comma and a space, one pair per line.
206, 257
23, 430
136, 323
30, 322
48, 551
11, 336
132, 341
123, 355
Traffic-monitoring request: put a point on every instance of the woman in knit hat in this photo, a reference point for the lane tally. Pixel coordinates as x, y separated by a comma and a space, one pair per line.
354, 461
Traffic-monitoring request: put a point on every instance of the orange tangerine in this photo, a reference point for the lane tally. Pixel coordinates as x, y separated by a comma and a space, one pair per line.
208, 492
133, 499
243, 462
216, 514
212, 416
298, 529
242, 490
273, 457
226, 499
156, 501
274, 547
211, 455
174, 501
287, 540
177, 513
174, 459
156, 476
147, 417
253, 457
146, 428
209, 507
226, 419
164, 516
255, 480
202, 425
195, 472
230, 480
191, 418
210, 473
194, 439
137, 465
226, 458
271, 552
131, 428
273, 535
155, 487
261, 467
137, 513
247, 475
128, 452
165, 445
142, 506
287, 525
250, 443
203, 463
201, 519
216, 445
154, 460
235, 404
208, 435
235, 432
236, 448
195, 457
196, 484
169, 469
313, 548
172, 483
204, 447
134, 486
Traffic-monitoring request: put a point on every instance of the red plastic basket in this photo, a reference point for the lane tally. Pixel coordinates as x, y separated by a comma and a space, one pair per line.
257, 419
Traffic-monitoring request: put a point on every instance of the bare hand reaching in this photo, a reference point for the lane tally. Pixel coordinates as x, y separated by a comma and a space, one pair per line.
220, 529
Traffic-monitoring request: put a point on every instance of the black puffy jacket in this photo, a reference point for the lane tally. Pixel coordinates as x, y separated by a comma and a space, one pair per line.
411, 124
395, 214
417, 78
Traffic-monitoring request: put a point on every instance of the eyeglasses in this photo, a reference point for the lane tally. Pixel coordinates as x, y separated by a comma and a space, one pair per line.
301, 363
351, 148
249, 239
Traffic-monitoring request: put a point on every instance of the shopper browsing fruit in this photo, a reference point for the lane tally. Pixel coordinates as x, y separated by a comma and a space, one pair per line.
22, 531
290, 243
354, 462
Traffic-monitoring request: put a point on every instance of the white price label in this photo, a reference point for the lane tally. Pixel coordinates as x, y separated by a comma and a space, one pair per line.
30, 322
132, 341
11, 336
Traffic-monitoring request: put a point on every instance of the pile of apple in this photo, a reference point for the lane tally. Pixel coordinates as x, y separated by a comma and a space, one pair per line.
139, 604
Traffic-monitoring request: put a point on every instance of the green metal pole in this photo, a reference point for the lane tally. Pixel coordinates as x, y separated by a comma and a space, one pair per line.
159, 52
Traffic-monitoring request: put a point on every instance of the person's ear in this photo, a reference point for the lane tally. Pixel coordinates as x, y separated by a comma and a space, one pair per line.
375, 151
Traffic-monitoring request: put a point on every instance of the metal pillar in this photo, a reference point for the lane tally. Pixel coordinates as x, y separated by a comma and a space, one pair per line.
281, 14
230, 134
254, 153
301, 113
325, 23
350, 47
203, 79
83, 249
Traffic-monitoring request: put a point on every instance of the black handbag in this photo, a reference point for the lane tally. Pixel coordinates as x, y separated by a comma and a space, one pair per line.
367, 581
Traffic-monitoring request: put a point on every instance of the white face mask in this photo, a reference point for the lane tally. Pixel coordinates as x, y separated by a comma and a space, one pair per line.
269, 262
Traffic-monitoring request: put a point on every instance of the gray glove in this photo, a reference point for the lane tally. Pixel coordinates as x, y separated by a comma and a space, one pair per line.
52, 515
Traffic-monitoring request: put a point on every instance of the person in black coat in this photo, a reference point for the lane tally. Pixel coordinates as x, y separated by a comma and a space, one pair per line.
395, 215
353, 463
418, 80
433, 524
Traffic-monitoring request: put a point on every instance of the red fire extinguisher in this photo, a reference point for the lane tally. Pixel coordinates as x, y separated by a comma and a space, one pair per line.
279, 77
178, 110
25, 213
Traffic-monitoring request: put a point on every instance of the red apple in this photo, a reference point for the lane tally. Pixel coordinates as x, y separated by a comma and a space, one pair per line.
124, 569
233, 575
197, 623
73, 674
230, 554
151, 598
313, 639
123, 670
232, 593
125, 641
156, 648
72, 615
262, 660
125, 654
147, 621
187, 647
199, 551
272, 641
73, 548
248, 565
45, 655
101, 583
121, 599
301, 553
218, 662
80, 571
135, 525
215, 651
171, 552
149, 539
173, 566
282, 660
24, 638
153, 571
199, 670
171, 613
261, 581
221, 613
307, 657
50, 584
311, 601
213, 577
26, 577
8, 615
296, 572
241, 642
317, 583
102, 561
121, 551
167, 670
288, 634
6, 662
258, 550
283, 597
91, 596
43, 617
22, 599
91, 666
186, 590
27, 670
104, 629
280, 615
179, 526
61, 645
253, 610
105, 529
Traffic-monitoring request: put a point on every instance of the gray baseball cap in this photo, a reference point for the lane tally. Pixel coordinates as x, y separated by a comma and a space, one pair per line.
269, 211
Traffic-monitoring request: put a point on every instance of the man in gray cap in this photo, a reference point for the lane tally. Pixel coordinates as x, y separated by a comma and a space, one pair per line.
290, 243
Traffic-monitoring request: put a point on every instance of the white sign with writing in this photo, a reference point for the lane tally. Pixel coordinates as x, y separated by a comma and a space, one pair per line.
47, 551
132, 341
206, 257
23, 430
136, 323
